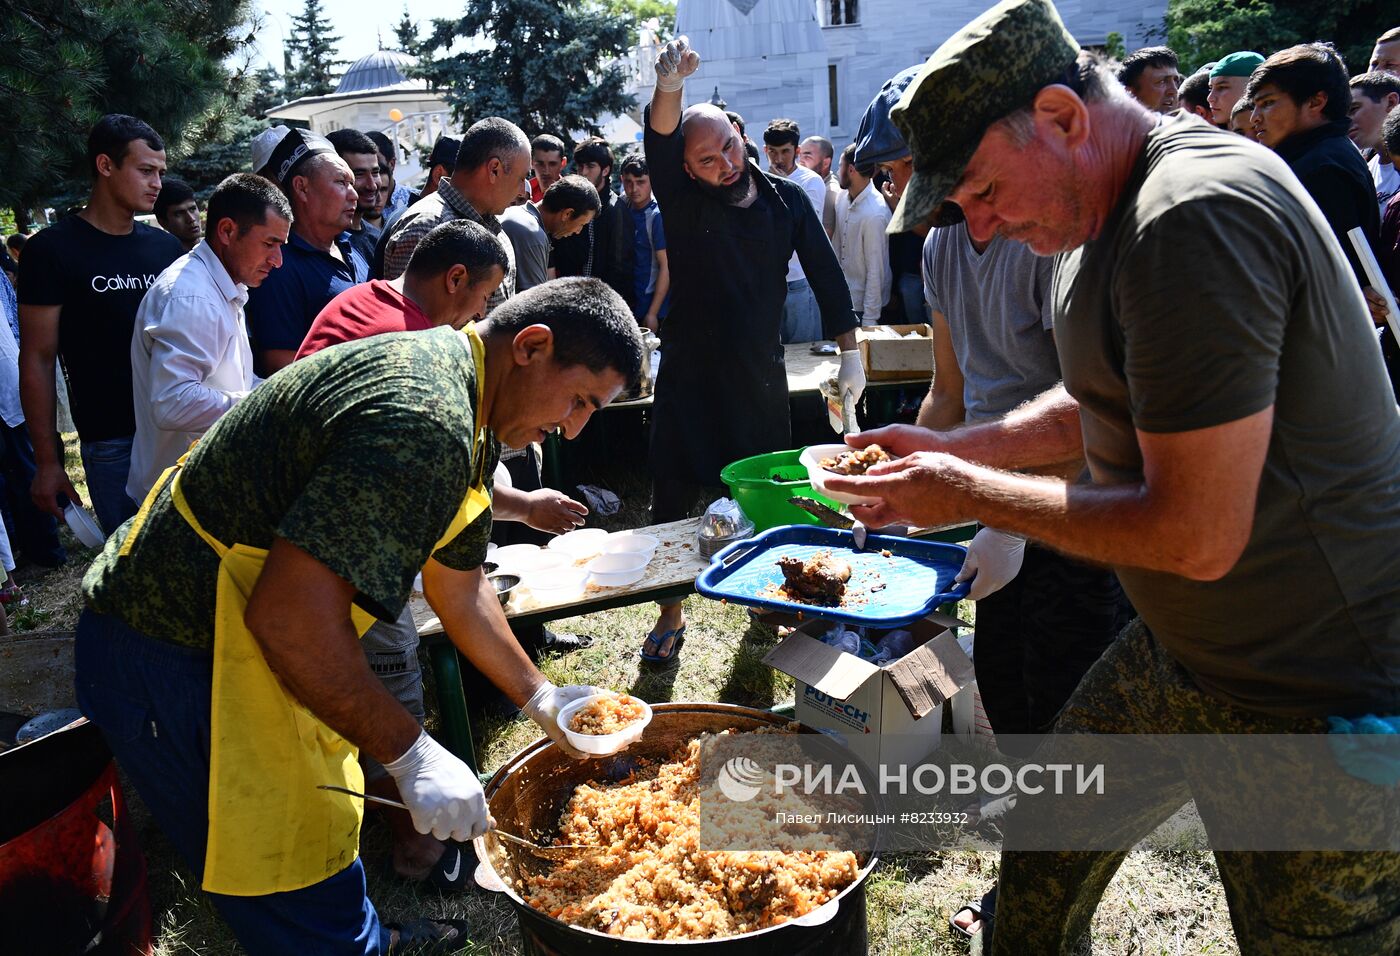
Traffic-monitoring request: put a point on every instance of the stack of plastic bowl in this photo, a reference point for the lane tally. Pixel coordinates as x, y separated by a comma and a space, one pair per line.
580, 544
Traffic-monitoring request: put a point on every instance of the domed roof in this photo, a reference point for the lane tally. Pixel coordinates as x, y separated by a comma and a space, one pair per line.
382, 69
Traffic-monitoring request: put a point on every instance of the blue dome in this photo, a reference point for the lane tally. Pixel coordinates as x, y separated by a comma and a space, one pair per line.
382, 69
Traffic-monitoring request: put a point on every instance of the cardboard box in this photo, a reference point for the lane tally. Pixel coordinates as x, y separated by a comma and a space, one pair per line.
886, 359
888, 714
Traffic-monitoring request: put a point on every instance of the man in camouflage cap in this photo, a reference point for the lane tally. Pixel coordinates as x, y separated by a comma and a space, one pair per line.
1236, 480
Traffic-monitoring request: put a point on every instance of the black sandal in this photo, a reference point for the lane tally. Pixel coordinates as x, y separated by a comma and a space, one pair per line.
427, 937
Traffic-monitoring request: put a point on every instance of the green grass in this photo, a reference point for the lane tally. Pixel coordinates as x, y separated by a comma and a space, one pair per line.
1165, 901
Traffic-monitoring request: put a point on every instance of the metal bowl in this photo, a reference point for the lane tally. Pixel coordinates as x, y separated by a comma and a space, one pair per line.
505, 583
528, 794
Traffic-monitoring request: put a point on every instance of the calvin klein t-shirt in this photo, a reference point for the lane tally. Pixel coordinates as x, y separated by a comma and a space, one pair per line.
99, 280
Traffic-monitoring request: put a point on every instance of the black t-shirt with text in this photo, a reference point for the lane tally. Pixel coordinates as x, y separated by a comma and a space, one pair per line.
99, 280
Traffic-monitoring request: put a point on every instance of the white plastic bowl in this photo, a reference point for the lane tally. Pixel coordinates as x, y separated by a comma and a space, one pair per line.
84, 526
580, 544
631, 541
508, 556
541, 560
619, 569
555, 584
601, 745
812, 456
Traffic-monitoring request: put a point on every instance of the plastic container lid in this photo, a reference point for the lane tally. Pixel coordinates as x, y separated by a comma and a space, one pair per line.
84, 526
539, 560
601, 745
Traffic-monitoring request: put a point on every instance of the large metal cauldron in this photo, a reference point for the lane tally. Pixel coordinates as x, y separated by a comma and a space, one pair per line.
527, 796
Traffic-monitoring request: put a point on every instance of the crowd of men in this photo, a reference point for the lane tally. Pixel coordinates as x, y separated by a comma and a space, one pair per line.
1188, 494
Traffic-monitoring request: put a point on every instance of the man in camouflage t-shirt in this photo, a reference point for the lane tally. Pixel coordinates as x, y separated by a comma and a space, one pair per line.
346, 468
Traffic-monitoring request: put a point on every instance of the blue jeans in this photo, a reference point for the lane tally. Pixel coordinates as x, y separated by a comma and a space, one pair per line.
33, 533
802, 320
107, 464
150, 699
911, 292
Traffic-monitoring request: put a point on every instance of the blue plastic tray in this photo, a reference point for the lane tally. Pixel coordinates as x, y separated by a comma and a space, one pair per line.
918, 575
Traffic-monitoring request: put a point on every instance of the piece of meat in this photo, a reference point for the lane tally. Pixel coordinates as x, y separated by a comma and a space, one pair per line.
821, 579
855, 462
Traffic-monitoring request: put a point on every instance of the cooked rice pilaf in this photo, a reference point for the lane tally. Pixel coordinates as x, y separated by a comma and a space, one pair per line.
651, 880
607, 714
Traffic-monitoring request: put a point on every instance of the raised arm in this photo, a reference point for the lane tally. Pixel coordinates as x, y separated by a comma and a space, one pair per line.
674, 63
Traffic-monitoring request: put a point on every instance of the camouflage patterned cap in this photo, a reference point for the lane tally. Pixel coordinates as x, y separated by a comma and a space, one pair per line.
990, 68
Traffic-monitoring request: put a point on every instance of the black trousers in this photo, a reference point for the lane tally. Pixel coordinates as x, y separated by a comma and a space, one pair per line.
1037, 637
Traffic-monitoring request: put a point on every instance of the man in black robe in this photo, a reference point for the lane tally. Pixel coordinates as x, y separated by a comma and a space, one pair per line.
721, 392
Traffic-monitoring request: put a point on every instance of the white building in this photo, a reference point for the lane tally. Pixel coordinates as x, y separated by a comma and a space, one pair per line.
375, 94
820, 62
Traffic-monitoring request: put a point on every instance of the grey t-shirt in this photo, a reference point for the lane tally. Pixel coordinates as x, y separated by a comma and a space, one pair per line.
522, 226
999, 313
1213, 292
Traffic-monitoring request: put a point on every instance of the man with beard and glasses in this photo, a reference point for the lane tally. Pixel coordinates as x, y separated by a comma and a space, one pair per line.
721, 392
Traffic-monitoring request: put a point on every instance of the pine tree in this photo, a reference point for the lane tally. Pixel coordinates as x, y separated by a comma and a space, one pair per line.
266, 93
64, 64
312, 47
406, 32
552, 67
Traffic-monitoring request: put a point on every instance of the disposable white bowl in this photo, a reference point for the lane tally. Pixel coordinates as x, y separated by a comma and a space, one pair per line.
508, 556
84, 526
812, 456
600, 745
555, 584
580, 544
631, 541
619, 569
538, 561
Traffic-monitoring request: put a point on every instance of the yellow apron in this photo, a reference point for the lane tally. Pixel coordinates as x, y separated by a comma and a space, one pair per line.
270, 828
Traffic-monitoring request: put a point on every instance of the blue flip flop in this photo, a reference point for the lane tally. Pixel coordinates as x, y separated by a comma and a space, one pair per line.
677, 638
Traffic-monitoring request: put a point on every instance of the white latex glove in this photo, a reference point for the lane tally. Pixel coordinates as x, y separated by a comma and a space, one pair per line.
674, 63
993, 560
544, 706
442, 793
851, 376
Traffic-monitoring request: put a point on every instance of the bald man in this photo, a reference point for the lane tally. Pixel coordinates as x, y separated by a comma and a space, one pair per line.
721, 393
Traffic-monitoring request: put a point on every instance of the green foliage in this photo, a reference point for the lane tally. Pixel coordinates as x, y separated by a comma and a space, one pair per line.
550, 69
64, 64
643, 10
1204, 30
266, 92
1114, 46
312, 48
406, 33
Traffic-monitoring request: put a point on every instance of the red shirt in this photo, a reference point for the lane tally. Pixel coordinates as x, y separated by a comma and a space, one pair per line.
370, 308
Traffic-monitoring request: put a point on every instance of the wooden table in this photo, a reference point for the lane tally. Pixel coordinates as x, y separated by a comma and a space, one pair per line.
805, 373
671, 573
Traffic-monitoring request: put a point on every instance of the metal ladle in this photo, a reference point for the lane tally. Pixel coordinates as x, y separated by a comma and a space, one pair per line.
558, 851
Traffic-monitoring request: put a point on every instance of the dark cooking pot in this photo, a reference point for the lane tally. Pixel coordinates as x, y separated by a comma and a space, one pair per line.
527, 797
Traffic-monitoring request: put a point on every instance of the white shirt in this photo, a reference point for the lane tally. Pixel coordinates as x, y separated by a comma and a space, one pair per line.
1385, 178
190, 361
10, 411
863, 249
815, 188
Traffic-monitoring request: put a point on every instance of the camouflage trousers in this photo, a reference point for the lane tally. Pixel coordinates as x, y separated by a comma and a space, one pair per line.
1281, 903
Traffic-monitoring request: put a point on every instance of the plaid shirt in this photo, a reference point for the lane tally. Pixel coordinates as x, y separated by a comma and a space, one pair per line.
442, 206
